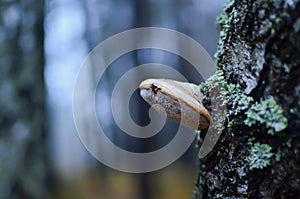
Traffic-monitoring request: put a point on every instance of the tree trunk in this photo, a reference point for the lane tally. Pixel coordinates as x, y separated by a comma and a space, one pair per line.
22, 119
258, 59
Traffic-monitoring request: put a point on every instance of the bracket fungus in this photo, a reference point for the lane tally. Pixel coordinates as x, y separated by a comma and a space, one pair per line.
180, 101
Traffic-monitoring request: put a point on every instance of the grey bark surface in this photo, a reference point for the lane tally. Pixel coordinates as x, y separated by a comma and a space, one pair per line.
22, 146
259, 50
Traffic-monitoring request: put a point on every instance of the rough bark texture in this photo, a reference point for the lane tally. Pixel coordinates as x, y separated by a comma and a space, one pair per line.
259, 50
22, 146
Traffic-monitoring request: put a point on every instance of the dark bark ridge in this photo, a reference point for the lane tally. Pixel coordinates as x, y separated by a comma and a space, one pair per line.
259, 52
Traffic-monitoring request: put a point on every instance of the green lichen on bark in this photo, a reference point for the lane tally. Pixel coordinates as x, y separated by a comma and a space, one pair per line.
268, 113
231, 95
237, 101
260, 156
224, 21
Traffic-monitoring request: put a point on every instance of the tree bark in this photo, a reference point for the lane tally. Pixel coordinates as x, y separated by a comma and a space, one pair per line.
22, 116
258, 153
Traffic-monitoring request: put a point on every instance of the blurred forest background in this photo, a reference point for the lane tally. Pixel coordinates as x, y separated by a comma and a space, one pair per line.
42, 44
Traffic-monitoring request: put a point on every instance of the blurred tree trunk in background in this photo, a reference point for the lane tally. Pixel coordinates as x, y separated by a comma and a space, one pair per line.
258, 153
142, 19
22, 96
